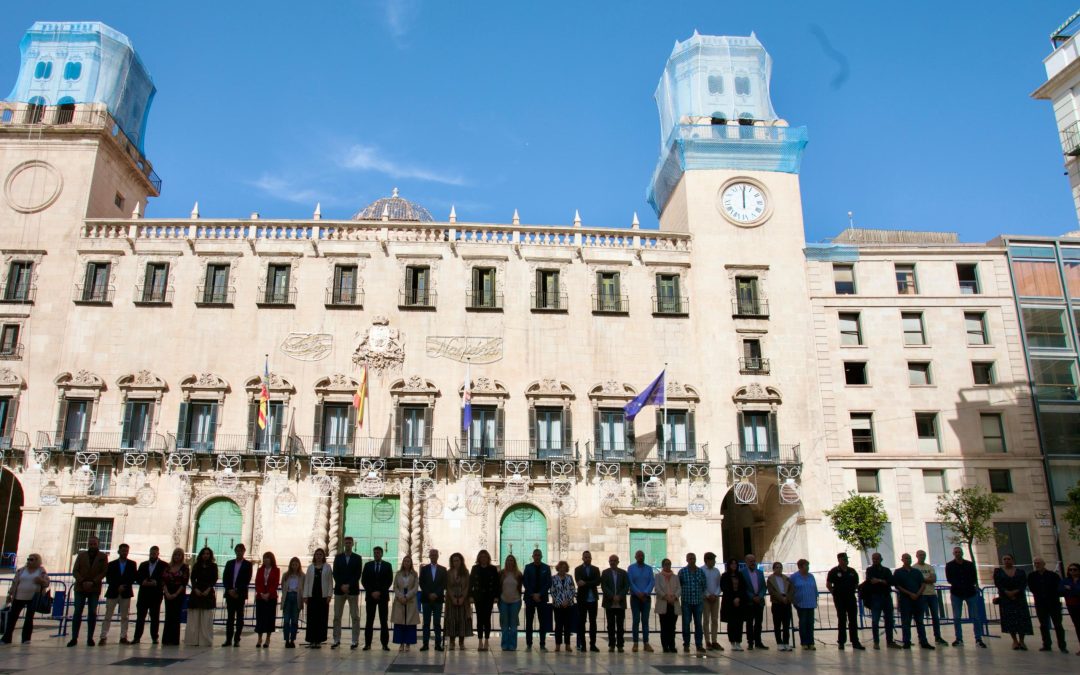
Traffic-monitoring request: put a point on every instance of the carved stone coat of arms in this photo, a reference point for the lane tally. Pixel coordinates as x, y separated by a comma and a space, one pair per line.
380, 347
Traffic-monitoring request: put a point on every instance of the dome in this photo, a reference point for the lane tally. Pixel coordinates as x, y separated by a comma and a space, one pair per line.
395, 208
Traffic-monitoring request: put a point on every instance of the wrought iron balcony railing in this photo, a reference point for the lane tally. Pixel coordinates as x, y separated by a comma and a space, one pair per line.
344, 298
516, 450
18, 293
749, 307
153, 295
607, 303
754, 365
646, 451
549, 302
483, 301
101, 442
669, 305
763, 454
11, 352
93, 294
385, 447
414, 299
275, 297
214, 296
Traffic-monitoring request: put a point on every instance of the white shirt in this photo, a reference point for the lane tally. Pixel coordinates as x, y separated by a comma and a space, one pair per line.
712, 580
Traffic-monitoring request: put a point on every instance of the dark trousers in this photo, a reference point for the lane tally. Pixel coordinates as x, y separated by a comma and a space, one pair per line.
806, 625
564, 625
432, 614
616, 628
234, 618
1050, 613
483, 617
781, 618
91, 603
735, 625
881, 604
1074, 614
912, 610
28, 623
755, 616
847, 617
382, 604
667, 628
531, 611
147, 604
586, 611
170, 634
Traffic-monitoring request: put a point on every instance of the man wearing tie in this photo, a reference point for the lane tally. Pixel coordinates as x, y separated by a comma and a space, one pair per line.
587, 578
236, 580
377, 579
120, 577
432, 595
347, 567
615, 585
150, 596
754, 579
537, 582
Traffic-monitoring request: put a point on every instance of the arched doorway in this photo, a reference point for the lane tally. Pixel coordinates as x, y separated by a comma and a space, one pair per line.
738, 527
219, 526
523, 529
11, 504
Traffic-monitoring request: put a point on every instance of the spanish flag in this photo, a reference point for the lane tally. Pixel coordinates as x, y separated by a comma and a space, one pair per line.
264, 395
360, 397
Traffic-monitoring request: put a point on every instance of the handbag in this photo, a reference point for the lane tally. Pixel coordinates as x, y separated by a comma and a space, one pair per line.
42, 603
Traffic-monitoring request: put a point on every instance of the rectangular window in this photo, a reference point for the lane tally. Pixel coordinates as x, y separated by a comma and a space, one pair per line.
934, 481
100, 486
343, 291
1060, 432
198, 426
1044, 328
747, 298
855, 373
759, 435
1072, 273
415, 431
1000, 481
484, 292
982, 372
862, 432
136, 430
975, 325
613, 434
752, 361
926, 427
8, 409
940, 541
905, 279
418, 286
1012, 538
19, 282
267, 440
918, 373
967, 274
843, 279
914, 333
96, 286
338, 421
74, 423
850, 329
485, 435
677, 436
993, 432
548, 290
1063, 477
1055, 379
9, 341
118, 200
277, 291
866, 480
155, 283
102, 528
1037, 279
216, 290
549, 432
668, 298
608, 293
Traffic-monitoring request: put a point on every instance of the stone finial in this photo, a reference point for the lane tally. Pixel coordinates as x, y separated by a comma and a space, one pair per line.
195, 211
394, 195
318, 211
386, 209
577, 218
136, 213
517, 219
254, 215
453, 214
634, 223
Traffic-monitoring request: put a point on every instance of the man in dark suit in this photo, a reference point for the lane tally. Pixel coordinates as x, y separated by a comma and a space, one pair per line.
237, 580
377, 579
587, 578
615, 585
754, 580
120, 576
89, 570
347, 568
432, 596
537, 583
150, 594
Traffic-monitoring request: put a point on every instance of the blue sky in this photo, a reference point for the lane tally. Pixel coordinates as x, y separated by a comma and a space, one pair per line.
919, 113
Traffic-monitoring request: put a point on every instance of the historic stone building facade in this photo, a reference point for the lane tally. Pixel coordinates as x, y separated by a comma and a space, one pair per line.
138, 348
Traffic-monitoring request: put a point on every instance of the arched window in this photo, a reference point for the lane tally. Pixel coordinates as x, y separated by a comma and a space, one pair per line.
72, 70
66, 110
716, 84
35, 110
43, 70
742, 86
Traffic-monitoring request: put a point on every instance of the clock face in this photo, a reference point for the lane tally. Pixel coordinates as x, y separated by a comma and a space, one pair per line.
743, 203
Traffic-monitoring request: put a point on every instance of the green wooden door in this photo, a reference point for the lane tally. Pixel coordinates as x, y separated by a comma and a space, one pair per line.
523, 529
373, 522
219, 526
652, 542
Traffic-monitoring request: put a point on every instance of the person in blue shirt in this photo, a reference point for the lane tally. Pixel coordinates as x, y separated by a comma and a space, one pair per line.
754, 579
537, 583
806, 597
641, 588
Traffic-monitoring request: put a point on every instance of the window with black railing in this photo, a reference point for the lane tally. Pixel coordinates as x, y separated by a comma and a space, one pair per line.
154, 289
547, 292
344, 290
550, 432
265, 437
613, 435
748, 301
675, 437
95, 288
609, 298
276, 290
135, 431
483, 438
484, 292
216, 289
19, 287
752, 361
669, 298
417, 292
10, 348
197, 428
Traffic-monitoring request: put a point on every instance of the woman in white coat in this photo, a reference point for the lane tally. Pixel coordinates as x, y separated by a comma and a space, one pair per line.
318, 589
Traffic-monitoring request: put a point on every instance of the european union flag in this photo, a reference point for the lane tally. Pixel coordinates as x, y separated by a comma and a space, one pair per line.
653, 395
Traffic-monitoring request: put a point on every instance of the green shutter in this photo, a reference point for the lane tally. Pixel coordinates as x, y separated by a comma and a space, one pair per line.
741, 429
653, 543
568, 433
691, 441
317, 440
253, 431
125, 430
500, 428
532, 431
61, 420
10, 416
182, 426
213, 427
660, 430
399, 430
598, 429
428, 412
774, 434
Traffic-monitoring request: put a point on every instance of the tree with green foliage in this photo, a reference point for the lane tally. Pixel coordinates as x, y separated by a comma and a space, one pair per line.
968, 513
859, 521
1072, 512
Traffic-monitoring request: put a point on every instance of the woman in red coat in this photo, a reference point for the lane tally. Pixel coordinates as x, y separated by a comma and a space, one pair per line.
267, 581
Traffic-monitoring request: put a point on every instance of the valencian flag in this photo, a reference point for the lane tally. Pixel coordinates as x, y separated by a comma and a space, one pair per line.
264, 395
466, 400
360, 397
653, 395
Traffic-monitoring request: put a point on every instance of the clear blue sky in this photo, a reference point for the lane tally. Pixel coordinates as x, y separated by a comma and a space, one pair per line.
923, 121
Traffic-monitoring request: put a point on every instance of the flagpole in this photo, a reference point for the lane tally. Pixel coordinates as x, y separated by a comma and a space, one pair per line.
663, 408
468, 428
269, 418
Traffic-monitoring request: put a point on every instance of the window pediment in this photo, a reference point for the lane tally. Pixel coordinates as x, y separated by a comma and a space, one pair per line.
204, 385
611, 392
336, 387
278, 385
414, 389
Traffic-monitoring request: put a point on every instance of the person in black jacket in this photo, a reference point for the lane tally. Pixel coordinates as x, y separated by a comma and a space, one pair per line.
964, 589
615, 584
347, 570
484, 587
877, 595
537, 582
150, 596
236, 580
587, 577
1045, 587
120, 576
432, 596
377, 578
843, 582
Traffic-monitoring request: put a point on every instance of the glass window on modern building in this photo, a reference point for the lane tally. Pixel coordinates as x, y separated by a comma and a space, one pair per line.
844, 278
1055, 379
1060, 431
1035, 272
1044, 328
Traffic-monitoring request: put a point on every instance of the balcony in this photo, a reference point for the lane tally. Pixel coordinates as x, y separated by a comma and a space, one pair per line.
483, 301
369, 448
344, 298
667, 305
148, 296
416, 299
214, 296
101, 442
275, 297
549, 302
11, 352
18, 294
13, 447
607, 303
749, 308
768, 454
1070, 140
754, 366
647, 451
93, 294
516, 450
230, 444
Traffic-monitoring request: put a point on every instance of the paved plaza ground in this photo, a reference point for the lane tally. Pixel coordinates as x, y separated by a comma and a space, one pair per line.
48, 655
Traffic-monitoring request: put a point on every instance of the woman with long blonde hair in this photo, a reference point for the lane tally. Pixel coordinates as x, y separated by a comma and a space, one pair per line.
405, 614
292, 586
509, 602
